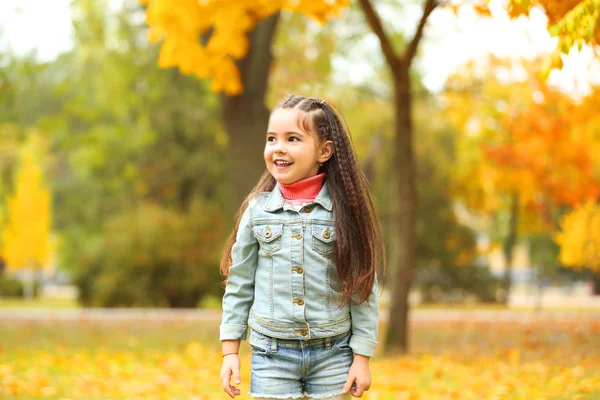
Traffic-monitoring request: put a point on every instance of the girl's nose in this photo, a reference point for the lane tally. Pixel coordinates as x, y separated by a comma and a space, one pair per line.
279, 148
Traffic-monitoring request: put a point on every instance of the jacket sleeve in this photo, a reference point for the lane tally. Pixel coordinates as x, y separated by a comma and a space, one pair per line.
239, 291
365, 324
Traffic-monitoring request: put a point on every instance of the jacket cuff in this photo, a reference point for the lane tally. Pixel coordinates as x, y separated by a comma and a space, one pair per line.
362, 346
233, 332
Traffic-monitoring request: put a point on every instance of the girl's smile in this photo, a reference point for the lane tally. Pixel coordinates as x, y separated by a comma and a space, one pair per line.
282, 164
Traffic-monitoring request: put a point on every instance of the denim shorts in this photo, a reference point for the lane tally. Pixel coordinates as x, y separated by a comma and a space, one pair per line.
292, 368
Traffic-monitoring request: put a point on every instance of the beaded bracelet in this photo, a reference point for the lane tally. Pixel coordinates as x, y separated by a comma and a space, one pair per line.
228, 354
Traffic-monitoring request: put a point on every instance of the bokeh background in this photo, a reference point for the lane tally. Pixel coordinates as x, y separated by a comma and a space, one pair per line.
130, 131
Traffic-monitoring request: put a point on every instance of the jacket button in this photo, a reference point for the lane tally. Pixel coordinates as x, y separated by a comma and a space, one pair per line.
303, 333
299, 270
307, 209
300, 302
298, 236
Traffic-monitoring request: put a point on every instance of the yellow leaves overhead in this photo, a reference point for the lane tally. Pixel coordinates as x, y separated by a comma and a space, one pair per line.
573, 22
579, 238
206, 37
26, 235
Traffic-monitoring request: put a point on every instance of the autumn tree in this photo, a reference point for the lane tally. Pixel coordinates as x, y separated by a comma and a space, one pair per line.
230, 44
579, 233
524, 154
26, 236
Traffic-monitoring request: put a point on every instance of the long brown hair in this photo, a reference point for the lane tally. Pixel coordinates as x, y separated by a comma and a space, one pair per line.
359, 244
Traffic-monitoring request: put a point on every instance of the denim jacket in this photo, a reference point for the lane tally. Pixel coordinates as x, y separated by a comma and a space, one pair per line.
283, 281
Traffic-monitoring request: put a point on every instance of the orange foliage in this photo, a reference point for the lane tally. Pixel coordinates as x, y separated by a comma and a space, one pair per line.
547, 159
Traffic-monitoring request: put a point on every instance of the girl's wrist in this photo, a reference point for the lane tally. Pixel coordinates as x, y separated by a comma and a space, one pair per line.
361, 358
228, 354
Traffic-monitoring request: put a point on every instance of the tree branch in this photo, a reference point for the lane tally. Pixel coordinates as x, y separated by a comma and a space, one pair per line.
375, 24
430, 5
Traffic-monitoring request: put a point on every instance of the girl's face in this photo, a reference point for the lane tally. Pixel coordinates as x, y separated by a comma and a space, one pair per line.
292, 154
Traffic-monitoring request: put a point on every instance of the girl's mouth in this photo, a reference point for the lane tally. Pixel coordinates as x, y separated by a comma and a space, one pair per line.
282, 164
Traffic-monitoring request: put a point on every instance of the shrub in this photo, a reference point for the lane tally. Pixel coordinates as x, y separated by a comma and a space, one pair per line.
154, 257
10, 287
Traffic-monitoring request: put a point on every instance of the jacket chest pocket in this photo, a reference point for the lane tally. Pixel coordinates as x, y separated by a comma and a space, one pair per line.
324, 240
269, 237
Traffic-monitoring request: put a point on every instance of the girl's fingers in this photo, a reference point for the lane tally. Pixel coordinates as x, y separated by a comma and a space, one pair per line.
348, 384
358, 392
232, 391
358, 389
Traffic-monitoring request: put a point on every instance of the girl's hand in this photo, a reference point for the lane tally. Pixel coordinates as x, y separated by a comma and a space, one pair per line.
231, 366
359, 376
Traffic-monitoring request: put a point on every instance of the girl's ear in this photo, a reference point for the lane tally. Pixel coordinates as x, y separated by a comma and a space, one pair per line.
325, 151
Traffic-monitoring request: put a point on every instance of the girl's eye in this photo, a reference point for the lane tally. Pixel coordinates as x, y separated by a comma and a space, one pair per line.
294, 139
270, 139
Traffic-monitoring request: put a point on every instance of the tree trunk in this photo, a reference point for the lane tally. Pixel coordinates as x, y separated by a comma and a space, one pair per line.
246, 116
596, 283
397, 335
29, 284
509, 245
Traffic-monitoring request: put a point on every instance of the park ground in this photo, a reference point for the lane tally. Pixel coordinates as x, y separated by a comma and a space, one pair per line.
69, 354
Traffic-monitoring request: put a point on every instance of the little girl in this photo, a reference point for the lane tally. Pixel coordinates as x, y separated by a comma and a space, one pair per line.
301, 264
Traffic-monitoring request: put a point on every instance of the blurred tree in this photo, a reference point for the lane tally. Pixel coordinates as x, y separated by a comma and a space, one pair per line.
445, 250
26, 235
516, 134
230, 43
578, 235
153, 137
123, 133
399, 65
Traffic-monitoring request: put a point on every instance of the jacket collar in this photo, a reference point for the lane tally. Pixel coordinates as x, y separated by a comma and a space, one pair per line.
275, 201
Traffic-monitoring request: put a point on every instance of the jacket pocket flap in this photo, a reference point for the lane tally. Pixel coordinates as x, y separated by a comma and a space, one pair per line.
268, 233
325, 233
